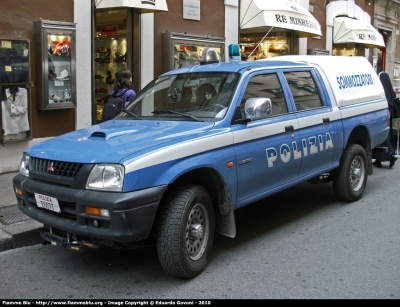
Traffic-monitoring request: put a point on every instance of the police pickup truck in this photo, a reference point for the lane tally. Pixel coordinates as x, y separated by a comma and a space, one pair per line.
199, 142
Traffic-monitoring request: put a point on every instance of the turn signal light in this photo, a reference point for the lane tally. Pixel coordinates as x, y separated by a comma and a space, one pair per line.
97, 211
18, 191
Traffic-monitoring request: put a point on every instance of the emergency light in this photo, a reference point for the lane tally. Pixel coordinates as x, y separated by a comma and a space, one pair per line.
234, 53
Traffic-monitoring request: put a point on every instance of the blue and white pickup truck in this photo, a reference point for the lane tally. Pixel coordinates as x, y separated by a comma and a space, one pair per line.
199, 142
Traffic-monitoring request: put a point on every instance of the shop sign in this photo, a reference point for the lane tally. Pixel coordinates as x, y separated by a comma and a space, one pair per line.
109, 30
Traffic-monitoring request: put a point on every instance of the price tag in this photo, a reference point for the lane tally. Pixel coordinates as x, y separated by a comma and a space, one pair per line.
6, 44
59, 83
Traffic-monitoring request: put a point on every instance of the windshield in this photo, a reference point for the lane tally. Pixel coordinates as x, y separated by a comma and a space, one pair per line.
189, 96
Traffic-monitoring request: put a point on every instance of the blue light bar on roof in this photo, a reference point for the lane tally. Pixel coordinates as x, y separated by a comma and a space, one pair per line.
234, 53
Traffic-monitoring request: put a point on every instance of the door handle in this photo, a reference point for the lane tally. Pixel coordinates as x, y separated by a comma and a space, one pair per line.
289, 129
326, 120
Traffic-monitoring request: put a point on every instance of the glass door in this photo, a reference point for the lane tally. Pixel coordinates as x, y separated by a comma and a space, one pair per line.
59, 67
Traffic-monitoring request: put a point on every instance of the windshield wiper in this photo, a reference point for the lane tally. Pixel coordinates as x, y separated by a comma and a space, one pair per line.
131, 113
179, 113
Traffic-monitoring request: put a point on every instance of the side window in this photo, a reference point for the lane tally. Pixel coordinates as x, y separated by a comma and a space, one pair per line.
267, 86
304, 90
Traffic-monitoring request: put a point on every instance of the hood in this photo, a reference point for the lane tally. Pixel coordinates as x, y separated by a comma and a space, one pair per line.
115, 139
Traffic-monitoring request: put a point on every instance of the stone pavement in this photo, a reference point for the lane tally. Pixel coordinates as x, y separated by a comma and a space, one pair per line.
16, 229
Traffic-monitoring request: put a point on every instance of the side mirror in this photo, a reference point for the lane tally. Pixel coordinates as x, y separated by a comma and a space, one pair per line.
258, 108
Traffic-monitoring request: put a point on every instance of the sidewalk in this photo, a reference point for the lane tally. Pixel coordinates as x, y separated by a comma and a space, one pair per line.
16, 229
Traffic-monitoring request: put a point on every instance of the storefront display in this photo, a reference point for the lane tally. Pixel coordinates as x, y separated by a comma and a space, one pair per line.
181, 50
111, 51
56, 76
107, 63
256, 47
344, 50
15, 90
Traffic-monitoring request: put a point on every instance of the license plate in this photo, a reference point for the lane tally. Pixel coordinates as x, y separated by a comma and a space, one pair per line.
47, 202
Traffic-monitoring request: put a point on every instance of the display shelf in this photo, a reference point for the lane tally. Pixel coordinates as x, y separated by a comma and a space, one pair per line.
110, 56
59, 84
56, 76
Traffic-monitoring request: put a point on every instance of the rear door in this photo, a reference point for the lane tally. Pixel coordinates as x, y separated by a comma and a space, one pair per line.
316, 119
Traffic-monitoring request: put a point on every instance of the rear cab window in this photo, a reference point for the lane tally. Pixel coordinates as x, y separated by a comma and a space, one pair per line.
304, 90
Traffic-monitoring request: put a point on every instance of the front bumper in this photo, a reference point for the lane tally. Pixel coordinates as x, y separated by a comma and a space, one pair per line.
131, 217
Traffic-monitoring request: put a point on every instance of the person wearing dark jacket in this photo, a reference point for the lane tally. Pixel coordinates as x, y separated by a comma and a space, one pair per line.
390, 94
123, 86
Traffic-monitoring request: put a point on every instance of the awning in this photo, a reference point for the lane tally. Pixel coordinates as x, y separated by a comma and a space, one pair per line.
144, 6
347, 30
262, 14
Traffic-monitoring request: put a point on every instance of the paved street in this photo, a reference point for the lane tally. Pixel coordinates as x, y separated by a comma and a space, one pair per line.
300, 244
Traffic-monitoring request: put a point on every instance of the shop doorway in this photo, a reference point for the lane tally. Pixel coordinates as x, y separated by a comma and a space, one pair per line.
112, 51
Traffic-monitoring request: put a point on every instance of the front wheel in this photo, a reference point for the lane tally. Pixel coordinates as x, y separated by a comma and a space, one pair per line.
350, 178
185, 231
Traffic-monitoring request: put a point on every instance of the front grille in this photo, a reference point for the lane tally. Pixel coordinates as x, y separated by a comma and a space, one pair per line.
54, 168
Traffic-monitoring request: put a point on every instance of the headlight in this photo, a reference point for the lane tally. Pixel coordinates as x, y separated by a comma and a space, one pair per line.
24, 165
106, 177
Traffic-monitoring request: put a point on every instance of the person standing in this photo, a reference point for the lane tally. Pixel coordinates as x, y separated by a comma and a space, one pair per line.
123, 86
389, 142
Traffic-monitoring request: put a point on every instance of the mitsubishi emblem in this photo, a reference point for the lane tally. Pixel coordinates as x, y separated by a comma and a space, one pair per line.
50, 168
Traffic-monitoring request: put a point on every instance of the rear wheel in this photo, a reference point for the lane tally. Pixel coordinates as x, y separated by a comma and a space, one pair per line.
350, 178
185, 231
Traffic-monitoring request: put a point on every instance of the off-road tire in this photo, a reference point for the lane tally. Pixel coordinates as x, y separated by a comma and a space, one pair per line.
185, 232
350, 178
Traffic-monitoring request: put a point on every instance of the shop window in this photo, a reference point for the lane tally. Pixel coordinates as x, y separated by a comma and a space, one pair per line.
189, 55
344, 50
396, 76
15, 90
181, 49
255, 47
